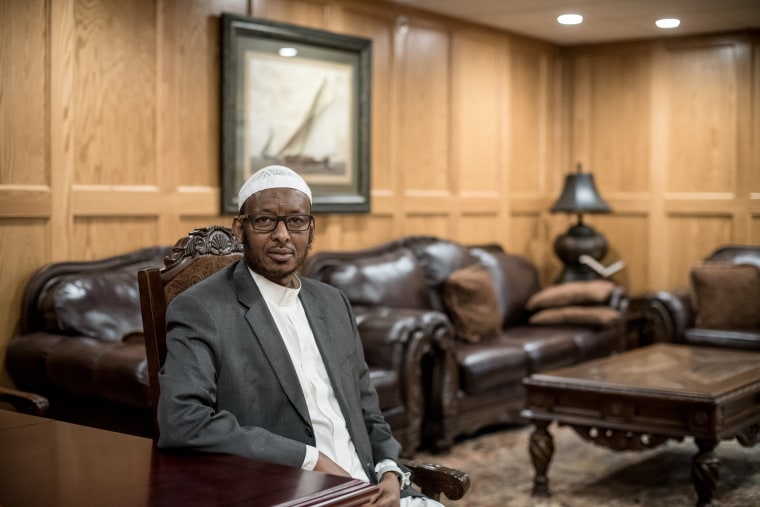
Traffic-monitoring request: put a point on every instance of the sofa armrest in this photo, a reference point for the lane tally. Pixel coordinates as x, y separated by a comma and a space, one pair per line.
434, 479
662, 316
22, 401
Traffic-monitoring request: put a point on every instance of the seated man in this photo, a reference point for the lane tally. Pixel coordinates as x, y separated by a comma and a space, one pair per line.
268, 365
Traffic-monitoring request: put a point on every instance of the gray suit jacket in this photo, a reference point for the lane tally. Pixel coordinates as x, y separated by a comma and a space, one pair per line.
228, 384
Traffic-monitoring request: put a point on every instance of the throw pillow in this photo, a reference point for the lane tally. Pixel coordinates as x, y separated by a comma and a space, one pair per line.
471, 300
594, 315
587, 292
726, 296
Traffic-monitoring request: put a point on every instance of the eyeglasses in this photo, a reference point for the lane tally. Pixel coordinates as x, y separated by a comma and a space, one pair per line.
268, 223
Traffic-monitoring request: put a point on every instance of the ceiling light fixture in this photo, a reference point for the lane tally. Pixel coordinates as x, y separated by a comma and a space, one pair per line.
570, 19
288, 52
667, 23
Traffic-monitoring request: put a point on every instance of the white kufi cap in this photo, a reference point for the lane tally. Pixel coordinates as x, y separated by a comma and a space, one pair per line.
273, 176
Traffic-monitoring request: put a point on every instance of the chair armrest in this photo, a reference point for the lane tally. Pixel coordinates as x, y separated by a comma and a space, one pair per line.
22, 401
434, 479
662, 316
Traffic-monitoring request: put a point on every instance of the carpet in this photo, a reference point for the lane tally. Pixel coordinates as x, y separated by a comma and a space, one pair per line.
584, 475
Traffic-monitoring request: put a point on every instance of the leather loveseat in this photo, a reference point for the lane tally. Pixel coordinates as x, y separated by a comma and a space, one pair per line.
720, 308
79, 341
80, 344
475, 382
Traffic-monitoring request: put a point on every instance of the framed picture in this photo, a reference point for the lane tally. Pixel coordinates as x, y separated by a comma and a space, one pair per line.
301, 98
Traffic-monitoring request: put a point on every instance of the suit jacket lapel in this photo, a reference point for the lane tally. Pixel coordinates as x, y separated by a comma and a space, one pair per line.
265, 331
317, 315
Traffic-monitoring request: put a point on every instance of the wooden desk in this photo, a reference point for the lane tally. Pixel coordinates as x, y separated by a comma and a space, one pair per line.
641, 398
56, 464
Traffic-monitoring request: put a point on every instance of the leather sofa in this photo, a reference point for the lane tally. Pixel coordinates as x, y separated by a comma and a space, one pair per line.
80, 344
721, 308
468, 385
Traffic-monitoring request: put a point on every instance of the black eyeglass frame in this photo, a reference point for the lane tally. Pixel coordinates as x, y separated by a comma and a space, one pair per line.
250, 217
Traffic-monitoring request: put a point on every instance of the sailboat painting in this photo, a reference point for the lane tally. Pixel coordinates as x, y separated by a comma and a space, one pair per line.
300, 115
298, 97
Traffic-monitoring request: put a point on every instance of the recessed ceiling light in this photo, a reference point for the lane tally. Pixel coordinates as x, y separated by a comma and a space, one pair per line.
668, 23
288, 52
570, 19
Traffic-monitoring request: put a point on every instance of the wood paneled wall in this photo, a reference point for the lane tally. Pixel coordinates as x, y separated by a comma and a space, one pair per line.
109, 135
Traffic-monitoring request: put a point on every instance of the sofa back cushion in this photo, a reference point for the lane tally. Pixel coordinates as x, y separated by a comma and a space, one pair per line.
104, 305
726, 295
387, 277
515, 279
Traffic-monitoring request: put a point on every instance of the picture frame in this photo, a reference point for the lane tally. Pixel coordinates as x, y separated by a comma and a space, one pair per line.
310, 112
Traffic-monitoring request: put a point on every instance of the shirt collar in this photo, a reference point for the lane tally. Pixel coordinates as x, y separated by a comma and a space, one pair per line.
276, 293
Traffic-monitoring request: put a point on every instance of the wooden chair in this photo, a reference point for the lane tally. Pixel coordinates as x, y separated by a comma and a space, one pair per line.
193, 258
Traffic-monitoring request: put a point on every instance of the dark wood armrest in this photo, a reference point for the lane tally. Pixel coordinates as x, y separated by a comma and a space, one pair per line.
28, 403
435, 479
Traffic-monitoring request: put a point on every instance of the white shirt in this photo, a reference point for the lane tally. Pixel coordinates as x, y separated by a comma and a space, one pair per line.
330, 431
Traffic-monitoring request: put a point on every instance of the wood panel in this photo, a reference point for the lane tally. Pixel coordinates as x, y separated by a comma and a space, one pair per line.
422, 129
702, 118
477, 99
114, 92
23, 132
23, 247
619, 152
529, 101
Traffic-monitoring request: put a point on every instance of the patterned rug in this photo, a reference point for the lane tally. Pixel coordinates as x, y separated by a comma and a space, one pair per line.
584, 475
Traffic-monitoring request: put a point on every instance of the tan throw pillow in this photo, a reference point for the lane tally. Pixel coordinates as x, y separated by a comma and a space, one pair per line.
587, 292
471, 300
595, 315
726, 296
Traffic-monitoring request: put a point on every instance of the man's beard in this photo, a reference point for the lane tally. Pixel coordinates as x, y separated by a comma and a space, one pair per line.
256, 264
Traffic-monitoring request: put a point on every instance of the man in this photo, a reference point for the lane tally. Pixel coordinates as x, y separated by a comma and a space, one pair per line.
264, 364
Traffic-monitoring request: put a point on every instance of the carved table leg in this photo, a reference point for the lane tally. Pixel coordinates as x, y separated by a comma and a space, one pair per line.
705, 471
541, 450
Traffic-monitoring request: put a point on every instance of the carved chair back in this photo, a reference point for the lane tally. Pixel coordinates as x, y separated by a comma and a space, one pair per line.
193, 258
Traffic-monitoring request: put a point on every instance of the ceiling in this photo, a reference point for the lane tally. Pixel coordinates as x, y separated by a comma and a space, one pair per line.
603, 20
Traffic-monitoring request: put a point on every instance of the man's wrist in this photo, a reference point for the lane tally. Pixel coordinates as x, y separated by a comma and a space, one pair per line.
386, 466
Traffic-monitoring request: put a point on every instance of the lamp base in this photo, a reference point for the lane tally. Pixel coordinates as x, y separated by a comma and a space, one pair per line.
580, 239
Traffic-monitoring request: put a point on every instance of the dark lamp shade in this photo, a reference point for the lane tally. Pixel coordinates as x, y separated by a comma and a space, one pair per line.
579, 195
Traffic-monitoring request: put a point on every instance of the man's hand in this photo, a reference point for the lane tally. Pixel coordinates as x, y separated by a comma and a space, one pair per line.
389, 494
328, 466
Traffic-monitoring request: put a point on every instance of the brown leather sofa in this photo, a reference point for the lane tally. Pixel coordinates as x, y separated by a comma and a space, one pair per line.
467, 385
721, 308
80, 344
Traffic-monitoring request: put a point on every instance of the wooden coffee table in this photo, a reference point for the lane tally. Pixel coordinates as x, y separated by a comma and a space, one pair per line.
639, 399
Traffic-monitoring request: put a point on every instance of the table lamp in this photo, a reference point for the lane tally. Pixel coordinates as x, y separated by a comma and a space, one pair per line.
579, 196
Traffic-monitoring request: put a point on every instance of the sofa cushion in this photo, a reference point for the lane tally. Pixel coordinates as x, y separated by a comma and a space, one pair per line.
726, 296
104, 305
483, 367
547, 347
586, 292
595, 315
470, 298
389, 278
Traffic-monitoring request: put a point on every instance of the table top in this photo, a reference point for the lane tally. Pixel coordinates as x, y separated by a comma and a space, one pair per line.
56, 464
666, 370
